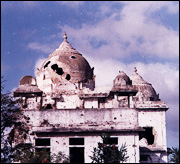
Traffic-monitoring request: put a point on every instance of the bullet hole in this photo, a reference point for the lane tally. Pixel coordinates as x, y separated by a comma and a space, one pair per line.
47, 64
148, 134
68, 77
115, 118
73, 57
57, 69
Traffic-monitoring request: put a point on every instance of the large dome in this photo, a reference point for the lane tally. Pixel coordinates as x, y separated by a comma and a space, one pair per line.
65, 65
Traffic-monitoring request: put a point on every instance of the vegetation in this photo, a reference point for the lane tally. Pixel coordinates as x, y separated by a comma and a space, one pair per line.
14, 126
174, 157
109, 153
26, 154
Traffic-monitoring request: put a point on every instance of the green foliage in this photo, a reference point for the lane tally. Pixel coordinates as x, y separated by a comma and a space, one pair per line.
27, 154
106, 153
11, 118
174, 157
59, 158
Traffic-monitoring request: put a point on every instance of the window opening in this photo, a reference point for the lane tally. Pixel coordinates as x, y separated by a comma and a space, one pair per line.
73, 57
76, 154
68, 77
43, 145
76, 141
42, 142
148, 134
111, 140
57, 69
47, 64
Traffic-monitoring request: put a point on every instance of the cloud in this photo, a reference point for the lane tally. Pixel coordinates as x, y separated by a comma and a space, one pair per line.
72, 4
128, 31
46, 48
38, 64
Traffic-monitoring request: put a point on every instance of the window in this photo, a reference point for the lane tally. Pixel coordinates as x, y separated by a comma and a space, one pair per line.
43, 145
76, 141
148, 134
42, 142
111, 140
76, 150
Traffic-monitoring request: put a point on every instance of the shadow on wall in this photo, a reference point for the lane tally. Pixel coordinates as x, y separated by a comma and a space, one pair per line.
149, 156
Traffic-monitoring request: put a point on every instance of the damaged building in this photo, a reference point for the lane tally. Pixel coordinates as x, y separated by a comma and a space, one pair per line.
68, 113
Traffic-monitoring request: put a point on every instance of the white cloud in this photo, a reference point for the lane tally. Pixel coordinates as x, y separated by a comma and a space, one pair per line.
29, 3
135, 32
72, 4
46, 48
38, 64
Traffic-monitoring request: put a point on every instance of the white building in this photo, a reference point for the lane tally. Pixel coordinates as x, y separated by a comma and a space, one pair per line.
68, 112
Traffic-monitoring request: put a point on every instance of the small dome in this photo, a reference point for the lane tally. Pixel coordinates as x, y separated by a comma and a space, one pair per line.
122, 80
27, 80
145, 89
137, 79
64, 66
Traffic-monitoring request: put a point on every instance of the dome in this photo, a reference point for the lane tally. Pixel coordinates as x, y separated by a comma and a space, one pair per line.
144, 88
137, 79
121, 80
27, 80
64, 66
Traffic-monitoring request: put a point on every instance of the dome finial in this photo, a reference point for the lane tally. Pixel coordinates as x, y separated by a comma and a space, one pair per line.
65, 37
135, 70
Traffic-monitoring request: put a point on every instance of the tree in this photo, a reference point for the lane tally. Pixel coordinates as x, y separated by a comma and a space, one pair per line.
7, 110
109, 153
11, 119
27, 154
174, 157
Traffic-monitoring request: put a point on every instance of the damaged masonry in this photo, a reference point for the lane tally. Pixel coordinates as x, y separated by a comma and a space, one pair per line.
68, 113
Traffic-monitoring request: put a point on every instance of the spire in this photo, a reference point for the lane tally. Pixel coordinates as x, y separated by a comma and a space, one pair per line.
65, 37
135, 70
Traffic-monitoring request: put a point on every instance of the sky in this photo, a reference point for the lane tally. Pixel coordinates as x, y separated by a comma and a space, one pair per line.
112, 35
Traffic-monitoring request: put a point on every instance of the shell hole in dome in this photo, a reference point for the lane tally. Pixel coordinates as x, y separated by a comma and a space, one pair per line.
68, 77
73, 57
47, 64
57, 69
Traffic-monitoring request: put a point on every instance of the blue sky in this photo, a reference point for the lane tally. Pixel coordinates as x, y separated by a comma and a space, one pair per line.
111, 35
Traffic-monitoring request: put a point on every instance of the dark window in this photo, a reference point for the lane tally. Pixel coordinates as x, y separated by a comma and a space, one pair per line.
42, 142
148, 134
73, 57
47, 64
76, 141
68, 77
76, 154
57, 69
112, 140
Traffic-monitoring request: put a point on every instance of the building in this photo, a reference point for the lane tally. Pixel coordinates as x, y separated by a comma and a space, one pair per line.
68, 112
